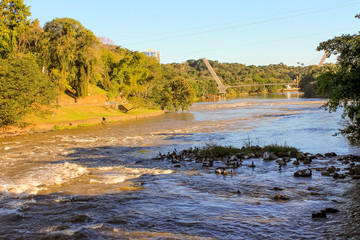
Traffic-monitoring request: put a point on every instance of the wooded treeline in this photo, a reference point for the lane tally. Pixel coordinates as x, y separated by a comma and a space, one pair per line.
39, 64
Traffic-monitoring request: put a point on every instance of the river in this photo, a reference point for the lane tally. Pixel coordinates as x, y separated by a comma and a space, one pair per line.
102, 182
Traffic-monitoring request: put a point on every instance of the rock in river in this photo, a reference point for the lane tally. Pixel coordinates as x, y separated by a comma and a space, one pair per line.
303, 173
269, 156
281, 197
321, 214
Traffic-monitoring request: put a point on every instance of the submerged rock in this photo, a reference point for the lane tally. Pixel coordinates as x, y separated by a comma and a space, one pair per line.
281, 162
303, 173
321, 214
269, 156
296, 162
281, 197
331, 210
307, 160
357, 170
286, 159
300, 157
330, 154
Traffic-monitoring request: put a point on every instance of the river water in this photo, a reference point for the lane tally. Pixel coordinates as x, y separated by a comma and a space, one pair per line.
102, 182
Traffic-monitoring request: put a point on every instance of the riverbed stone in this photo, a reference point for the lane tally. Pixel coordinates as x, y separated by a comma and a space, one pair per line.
303, 173
78, 218
307, 160
357, 170
281, 197
331, 210
281, 162
269, 156
335, 175
331, 169
321, 214
252, 155
330, 154
286, 159
300, 157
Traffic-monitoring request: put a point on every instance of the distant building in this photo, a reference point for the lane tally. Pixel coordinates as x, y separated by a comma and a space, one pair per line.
153, 54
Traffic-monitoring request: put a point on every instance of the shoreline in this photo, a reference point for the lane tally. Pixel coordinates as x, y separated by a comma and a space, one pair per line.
55, 126
68, 124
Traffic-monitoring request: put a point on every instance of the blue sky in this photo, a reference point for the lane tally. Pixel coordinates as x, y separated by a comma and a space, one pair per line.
255, 32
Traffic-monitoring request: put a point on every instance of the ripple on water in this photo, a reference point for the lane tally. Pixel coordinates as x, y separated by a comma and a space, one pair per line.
99, 183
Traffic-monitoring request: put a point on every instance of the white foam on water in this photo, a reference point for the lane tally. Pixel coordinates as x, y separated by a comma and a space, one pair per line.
46, 178
6, 211
135, 138
70, 231
119, 174
87, 140
15, 207
41, 178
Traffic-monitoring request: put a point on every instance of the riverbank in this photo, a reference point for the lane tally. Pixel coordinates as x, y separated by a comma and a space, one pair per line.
87, 114
68, 117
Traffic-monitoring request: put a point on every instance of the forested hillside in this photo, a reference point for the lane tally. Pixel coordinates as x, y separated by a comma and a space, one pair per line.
39, 64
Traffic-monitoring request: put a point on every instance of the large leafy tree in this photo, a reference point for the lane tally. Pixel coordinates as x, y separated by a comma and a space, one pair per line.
13, 22
342, 85
23, 89
72, 54
177, 94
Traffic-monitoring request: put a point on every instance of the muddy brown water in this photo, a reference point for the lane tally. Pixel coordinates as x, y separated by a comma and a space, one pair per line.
102, 182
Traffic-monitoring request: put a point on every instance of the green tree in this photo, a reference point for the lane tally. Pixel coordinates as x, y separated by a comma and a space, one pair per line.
177, 94
72, 54
342, 85
13, 22
23, 89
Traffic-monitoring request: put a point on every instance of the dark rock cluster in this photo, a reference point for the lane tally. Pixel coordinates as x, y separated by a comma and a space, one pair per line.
323, 213
194, 154
303, 173
228, 163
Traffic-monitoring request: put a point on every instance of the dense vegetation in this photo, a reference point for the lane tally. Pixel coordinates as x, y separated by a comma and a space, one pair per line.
39, 64
234, 74
342, 84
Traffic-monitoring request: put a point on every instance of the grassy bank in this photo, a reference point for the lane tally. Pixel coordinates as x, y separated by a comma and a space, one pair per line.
78, 113
74, 116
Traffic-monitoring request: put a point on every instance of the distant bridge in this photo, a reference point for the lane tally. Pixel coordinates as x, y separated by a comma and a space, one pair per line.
222, 88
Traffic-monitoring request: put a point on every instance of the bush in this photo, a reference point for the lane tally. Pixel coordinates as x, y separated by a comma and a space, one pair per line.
279, 149
215, 150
